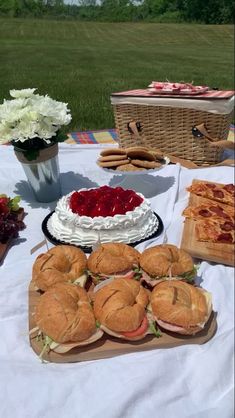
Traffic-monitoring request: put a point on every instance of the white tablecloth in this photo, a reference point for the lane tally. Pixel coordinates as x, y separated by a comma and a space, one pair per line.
193, 381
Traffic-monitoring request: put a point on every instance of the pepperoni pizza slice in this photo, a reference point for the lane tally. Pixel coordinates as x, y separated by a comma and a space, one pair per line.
215, 231
223, 193
212, 211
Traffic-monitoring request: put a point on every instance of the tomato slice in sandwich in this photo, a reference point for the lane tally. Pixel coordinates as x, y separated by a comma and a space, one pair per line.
139, 331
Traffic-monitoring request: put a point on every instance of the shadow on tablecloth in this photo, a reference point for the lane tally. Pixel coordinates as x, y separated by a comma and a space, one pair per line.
146, 184
69, 181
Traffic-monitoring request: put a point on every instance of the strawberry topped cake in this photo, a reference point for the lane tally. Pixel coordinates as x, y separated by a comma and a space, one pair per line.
103, 214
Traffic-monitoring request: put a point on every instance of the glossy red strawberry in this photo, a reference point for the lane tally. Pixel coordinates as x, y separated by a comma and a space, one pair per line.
100, 209
4, 208
118, 209
104, 201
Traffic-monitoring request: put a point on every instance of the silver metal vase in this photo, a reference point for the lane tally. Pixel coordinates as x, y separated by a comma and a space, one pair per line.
43, 174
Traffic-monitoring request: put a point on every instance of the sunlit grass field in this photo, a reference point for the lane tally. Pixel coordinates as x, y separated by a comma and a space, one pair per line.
82, 63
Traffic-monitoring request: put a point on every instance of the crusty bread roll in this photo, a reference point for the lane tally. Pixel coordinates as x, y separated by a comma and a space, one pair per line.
165, 260
60, 264
64, 313
112, 258
113, 151
180, 307
120, 307
140, 153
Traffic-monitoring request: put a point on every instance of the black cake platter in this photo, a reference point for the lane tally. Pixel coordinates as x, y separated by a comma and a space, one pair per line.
87, 249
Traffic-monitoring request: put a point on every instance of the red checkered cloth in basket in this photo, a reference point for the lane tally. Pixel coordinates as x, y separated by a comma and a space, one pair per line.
210, 94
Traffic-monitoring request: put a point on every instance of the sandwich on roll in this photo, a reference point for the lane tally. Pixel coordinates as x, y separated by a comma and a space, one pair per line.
120, 308
163, 261
65, 318
180, 307
63, 263
113, 260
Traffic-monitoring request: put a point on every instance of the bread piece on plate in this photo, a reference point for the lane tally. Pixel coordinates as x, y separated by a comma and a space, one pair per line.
158, 154
140, 154
113, 151
112, 164
130, 167
146, 164
112, 158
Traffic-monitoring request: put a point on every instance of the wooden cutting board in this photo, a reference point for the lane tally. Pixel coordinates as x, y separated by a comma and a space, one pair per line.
221, 253
110, 347
4, 247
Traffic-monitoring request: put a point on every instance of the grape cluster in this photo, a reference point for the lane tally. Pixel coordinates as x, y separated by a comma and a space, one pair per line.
10, 226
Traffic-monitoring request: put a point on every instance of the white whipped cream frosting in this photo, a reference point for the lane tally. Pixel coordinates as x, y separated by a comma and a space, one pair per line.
71, 228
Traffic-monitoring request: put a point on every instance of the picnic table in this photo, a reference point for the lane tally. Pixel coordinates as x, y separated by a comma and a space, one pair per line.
191, 380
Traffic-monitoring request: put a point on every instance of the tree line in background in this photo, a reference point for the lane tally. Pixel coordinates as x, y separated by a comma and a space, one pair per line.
175, 11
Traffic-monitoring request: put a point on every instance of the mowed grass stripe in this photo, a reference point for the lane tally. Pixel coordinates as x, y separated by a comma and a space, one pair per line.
82, 63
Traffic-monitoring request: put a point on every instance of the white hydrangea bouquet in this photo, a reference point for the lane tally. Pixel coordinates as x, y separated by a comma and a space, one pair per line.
31, 122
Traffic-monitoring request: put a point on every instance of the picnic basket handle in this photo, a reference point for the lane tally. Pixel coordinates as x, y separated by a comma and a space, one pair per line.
200, 131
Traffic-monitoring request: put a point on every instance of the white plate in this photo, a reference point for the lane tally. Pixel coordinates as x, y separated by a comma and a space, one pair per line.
178, 92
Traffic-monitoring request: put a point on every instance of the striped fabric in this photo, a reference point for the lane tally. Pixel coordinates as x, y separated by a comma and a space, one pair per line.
108, 136
93, 137
211, 94
231, 135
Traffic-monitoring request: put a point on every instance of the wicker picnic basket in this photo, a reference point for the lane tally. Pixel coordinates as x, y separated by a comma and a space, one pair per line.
170, 127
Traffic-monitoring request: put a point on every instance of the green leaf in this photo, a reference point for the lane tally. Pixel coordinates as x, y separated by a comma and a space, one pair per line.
137, 276
190, 275
14, 203
46, 346
97, 323
155, 330
138, 272
97, 279
31, 148
60, 137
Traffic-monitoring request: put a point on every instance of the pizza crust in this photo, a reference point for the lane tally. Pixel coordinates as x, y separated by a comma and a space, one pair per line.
214, 217
215, 231
223, 193
211, 210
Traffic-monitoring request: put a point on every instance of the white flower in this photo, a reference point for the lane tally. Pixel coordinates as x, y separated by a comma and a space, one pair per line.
22, 93
30, 115
5, 133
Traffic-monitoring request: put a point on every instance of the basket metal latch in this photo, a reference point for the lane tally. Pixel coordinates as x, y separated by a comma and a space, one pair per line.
200, 131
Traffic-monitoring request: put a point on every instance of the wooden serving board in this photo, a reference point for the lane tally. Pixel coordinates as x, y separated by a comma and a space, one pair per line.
108, 346
5, 247
217, 252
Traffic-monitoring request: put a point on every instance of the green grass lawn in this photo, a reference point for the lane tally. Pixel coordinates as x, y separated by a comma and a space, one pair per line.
82, 63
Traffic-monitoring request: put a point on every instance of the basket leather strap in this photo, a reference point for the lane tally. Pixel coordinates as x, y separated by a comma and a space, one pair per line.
229, 163
140, 140
213, 142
